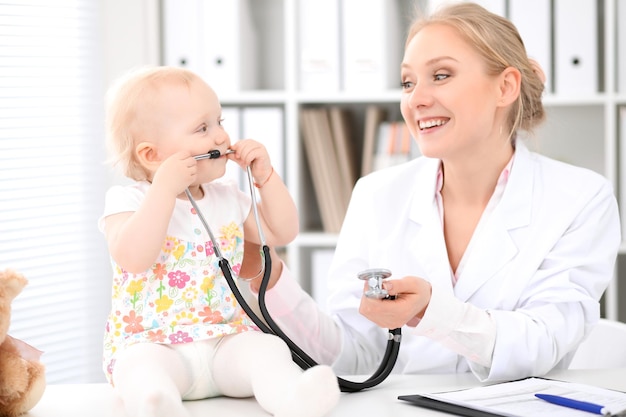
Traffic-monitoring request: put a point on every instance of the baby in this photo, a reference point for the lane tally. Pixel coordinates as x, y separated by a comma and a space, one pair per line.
175, 331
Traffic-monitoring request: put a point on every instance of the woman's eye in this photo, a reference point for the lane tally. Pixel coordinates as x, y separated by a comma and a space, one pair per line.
440, 77
406, 84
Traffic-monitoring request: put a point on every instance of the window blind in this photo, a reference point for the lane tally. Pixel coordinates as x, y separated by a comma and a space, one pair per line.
52, 180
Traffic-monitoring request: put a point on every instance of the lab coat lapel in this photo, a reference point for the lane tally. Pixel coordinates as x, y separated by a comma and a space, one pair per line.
494, 247
428, 246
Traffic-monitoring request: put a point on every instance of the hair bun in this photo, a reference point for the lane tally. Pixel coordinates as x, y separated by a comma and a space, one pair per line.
537, 70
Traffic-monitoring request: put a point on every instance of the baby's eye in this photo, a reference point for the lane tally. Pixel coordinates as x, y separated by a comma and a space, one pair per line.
220, 121
202, 129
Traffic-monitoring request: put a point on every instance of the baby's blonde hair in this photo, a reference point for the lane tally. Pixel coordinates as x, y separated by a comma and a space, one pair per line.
500, 45
123, 101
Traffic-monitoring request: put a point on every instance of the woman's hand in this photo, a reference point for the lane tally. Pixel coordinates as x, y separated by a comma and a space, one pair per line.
412, 295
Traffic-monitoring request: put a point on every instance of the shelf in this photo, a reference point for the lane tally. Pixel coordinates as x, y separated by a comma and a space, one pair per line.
581, 128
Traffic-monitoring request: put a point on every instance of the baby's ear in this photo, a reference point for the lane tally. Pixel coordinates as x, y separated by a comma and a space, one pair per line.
147, 155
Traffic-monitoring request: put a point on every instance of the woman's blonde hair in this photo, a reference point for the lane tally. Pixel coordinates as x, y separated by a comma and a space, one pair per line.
499, 43
124, 101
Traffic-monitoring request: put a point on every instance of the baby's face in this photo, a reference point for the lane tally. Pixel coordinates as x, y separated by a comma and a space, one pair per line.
187, 118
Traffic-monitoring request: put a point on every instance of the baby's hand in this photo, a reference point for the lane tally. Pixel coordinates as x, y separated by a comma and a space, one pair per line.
176, 173
252, 153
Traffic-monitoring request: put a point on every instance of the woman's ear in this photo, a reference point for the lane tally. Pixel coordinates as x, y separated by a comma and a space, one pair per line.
147, 156
509, 88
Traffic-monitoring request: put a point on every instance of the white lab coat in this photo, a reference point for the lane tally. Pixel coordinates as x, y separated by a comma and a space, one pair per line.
539, 266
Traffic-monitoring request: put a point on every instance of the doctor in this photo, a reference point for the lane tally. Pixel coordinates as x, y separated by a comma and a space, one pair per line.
499, 255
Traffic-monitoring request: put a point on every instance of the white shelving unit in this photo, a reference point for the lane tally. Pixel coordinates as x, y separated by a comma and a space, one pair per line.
582, 129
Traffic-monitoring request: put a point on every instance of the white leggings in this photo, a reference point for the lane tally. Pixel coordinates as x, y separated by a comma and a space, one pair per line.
151, 379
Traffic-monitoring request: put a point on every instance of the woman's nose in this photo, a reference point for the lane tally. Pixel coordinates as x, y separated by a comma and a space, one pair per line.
420, 96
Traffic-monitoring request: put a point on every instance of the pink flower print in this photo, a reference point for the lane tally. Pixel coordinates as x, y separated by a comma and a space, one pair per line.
134, 323
178, 279
169, 245
110, 367
208, 247
180, 337
236, 269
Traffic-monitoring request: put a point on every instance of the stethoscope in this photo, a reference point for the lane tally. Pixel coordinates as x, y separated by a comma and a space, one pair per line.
374, 278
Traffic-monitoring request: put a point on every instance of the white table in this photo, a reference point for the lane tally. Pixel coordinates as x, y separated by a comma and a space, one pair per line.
96, 400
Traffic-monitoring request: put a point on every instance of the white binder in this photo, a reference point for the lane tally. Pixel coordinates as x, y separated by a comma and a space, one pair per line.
228, 46
231, 120
266, 125
318, 42
321, 259
575, 47
181, 34
215, 39
372, 45
621, 145
621, 47
494, 6
533, 21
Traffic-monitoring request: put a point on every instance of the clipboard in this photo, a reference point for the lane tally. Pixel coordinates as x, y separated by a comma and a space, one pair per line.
446, 407
517, 399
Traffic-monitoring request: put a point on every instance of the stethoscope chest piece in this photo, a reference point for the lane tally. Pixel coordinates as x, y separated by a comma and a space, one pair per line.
374, 278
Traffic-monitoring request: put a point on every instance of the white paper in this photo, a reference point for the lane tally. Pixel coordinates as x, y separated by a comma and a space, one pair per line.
517, 398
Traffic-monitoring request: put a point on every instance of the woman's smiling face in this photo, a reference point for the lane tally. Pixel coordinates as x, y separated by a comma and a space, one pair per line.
449, 101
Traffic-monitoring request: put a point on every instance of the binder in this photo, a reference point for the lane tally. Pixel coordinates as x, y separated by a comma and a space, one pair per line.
621, 145
228, 45
321, 260
374, 116
232, 125
494, 6
215, 39
322, 157
314, 155
620, 6
533, 19
318, 40
266, 125
395, 145
372, 44
575, 47
181, 34
340, 124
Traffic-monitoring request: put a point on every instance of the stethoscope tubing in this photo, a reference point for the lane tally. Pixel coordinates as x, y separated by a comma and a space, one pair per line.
269, 326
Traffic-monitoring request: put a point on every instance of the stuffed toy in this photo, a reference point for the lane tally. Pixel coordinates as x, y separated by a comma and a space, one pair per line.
22, 376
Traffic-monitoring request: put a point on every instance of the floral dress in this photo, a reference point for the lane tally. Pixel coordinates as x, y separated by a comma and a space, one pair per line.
183, 297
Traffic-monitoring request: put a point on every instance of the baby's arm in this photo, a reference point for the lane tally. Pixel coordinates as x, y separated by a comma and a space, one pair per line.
135, 238
277, 210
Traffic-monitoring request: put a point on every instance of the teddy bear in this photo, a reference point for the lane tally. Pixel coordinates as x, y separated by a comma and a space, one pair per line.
22, 375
